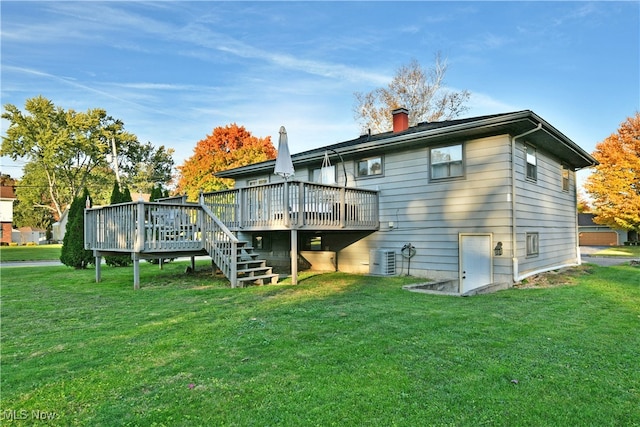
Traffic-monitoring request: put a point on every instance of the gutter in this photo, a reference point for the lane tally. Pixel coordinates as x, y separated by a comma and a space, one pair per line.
514, 242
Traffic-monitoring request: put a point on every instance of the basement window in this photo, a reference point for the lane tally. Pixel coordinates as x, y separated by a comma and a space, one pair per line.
261, 242
369, 167
313, 243
446, 162
532, 244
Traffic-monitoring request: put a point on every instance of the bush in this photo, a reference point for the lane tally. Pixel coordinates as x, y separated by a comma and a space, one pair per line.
73, 252
118, 196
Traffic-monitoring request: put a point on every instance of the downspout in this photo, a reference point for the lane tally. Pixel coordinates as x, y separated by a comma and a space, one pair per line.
514, 242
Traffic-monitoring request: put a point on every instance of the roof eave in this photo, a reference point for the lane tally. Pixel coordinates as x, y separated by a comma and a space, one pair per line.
513, 123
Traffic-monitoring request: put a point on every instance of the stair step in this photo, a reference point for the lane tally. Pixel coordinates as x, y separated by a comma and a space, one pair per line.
255, 269
271, 277
252, 263
248, 256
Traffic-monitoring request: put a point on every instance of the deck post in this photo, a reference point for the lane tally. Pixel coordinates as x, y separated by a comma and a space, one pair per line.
139, 243
301, 204
98, 258
136, 270
343, 207
294, 256
286, 211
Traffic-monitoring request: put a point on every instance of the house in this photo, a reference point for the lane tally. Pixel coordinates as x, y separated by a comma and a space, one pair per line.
28, 235
592, 234
7, 197
488, 199
474, 201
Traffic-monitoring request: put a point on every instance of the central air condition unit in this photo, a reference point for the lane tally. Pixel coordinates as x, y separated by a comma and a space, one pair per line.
382, 262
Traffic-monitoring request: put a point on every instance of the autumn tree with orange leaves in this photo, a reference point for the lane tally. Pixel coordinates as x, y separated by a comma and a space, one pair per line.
226, 148
615, 184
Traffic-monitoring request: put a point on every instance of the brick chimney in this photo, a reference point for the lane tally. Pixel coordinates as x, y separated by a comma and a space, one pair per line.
400, 119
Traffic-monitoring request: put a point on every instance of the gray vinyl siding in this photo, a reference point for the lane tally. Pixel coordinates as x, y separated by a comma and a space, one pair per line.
544, 208
430, 214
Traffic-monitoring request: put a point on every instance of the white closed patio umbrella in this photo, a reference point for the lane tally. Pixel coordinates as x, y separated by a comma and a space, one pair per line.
284, 165
284, 168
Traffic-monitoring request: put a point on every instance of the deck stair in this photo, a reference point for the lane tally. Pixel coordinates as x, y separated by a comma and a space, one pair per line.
250, 268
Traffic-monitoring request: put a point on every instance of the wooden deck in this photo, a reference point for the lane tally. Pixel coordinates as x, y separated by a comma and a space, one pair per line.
173, 228
295, 205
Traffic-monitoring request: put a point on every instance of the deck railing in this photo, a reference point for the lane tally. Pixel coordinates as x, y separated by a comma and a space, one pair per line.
295, 204
144, 227
221, 245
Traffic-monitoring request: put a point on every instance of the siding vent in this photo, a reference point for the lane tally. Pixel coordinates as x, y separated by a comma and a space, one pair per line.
382, 262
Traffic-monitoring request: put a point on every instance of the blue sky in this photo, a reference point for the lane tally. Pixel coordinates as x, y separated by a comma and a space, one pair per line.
173, 71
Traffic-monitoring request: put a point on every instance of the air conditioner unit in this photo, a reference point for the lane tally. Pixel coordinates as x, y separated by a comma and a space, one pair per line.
382, 262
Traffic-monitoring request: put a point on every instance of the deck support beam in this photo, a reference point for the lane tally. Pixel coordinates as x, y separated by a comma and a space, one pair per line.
98, 259
136, 270
294, 256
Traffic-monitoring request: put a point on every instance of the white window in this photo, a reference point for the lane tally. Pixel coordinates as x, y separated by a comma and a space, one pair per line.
257, 181
565, 178
323, 175
532, 163
532, 244
369, 167
446, 162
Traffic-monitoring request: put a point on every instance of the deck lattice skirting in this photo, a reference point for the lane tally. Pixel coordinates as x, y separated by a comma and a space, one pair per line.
173, 227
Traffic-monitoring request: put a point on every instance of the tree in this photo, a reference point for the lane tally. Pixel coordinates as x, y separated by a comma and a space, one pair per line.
614, 186
157, 192
66, 152
73, 252
422, 91
227, 147
118, 196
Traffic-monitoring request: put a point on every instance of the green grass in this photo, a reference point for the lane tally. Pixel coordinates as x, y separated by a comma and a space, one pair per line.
30, 253
630, 251
336, 349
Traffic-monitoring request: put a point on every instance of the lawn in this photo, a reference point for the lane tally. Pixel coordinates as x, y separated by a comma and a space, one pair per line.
30, 253
336, 349
622, 251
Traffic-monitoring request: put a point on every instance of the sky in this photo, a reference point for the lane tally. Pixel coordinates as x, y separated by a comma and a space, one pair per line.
174, 71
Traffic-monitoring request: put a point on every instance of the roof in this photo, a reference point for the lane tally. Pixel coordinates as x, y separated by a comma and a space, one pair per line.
7, 192
586, 219
32, 229
516, 123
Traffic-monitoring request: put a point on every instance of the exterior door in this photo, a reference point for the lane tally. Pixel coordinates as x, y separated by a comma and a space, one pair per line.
475, 261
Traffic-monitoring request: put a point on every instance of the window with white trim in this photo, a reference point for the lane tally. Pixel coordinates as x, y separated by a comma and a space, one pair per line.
324, 175
532, 163
532, 244
257, 181
446, 162
565, 178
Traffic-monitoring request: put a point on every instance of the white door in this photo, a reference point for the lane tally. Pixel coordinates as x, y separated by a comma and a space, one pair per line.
475, 261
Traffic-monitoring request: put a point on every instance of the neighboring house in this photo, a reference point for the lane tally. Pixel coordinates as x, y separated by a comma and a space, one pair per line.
7, 196
483, 200
31, 235
592, 234
474, 201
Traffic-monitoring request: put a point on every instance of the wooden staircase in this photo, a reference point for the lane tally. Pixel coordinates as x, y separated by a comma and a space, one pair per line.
250, 268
